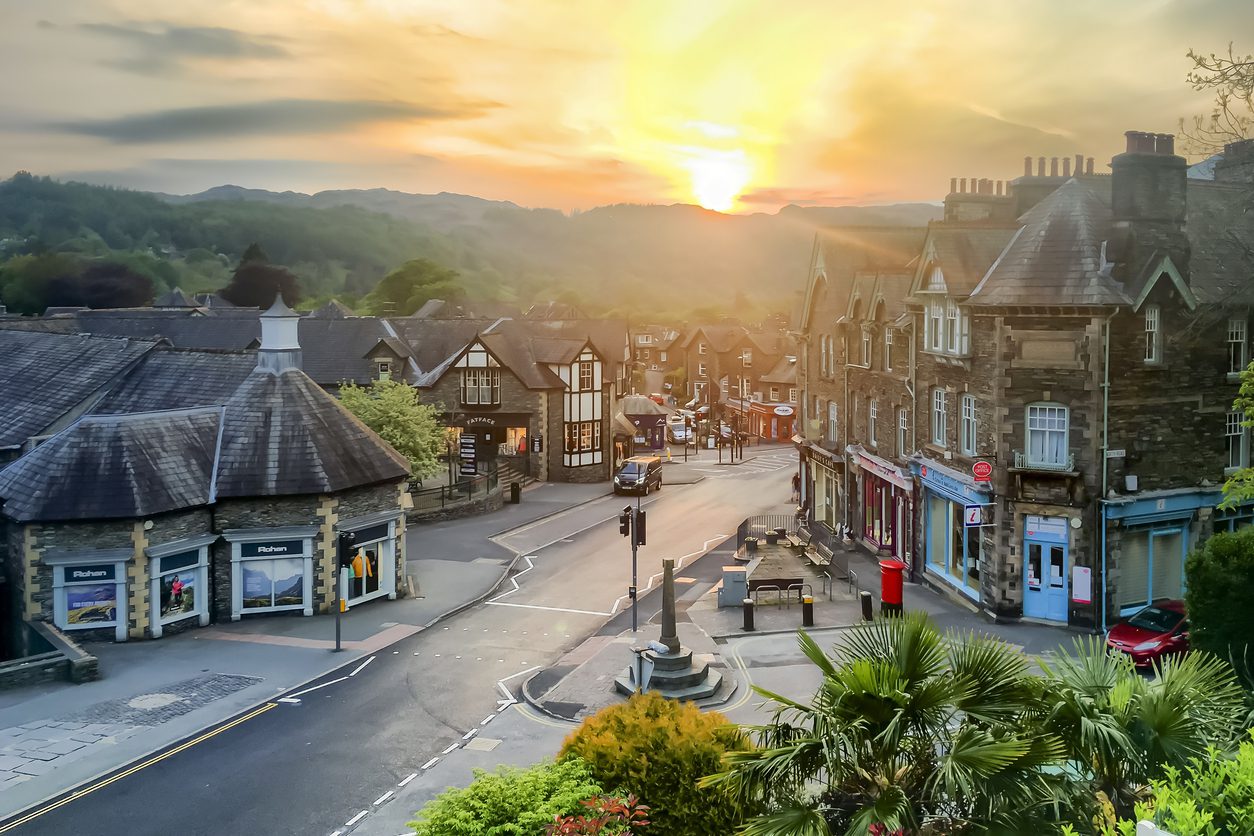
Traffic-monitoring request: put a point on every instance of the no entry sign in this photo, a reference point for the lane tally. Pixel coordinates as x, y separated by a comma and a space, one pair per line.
983, 471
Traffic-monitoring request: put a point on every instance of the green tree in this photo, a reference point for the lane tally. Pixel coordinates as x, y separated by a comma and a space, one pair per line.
392, 409
1220, 587
254, 252
904, 730
413, 284
509, 802
659, 749
1239, 487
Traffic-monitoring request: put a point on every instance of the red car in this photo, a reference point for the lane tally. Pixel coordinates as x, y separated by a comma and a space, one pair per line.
1159, 630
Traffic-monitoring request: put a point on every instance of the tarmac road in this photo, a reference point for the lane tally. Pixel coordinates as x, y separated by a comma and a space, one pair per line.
321, 756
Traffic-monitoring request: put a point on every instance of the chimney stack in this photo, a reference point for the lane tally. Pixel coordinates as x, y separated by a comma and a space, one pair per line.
1053, 166
1040, 166
1079, 165
1027, 166
280, 344
1148, 200
1066, 166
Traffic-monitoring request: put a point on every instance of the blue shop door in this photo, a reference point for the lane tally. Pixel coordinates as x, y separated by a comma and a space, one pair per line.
1045, 580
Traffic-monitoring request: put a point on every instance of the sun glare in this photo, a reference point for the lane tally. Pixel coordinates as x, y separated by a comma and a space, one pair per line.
718, 177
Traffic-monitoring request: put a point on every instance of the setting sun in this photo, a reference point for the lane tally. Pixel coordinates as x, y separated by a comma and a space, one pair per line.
718, 177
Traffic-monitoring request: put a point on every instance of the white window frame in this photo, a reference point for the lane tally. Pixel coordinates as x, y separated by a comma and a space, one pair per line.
645, 339
935, 326
888, 349
199, 569
1038, 417
866, 347
661, 356
774, 394
701, 370
792, 395
1237, 357
939, 428
702, 348
967, 436
873, 413
1153, 334
746, 358
833, 421
1237, 438
121, 593
262, 537
903, 431
481, 386
953, 328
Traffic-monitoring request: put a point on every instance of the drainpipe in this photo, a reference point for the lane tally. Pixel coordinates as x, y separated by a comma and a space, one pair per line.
845, 435
1101, 502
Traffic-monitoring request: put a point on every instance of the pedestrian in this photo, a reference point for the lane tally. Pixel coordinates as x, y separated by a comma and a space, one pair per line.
796, 488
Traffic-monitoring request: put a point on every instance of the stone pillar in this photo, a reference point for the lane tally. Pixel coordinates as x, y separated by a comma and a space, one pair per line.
670, 636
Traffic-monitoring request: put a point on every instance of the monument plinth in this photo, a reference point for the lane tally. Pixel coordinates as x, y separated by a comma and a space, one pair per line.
675, 673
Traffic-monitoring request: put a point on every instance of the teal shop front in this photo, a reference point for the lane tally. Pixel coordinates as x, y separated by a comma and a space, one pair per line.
953, 549
1045, 567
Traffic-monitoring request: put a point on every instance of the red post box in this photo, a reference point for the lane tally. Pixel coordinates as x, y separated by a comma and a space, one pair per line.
892, 574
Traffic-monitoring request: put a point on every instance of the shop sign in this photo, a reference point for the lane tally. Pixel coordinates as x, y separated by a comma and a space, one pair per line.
982, 471
481, 420
784, 411
277, 548
1081, 585
974, 516
82, 574
1045, 528
468, 468
537, 444
884, 471
369, 535
934, 477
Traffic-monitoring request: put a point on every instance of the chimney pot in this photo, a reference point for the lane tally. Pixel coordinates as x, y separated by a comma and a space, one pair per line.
1053, 166
1088, 168
1079, 164
1166, 144
999, 188
1040, 166
1027, 166
953, 184
962, 185
1066, 166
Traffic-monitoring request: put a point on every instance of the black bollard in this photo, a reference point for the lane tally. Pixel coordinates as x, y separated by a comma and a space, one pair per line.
807, 611
748, 609
868, 605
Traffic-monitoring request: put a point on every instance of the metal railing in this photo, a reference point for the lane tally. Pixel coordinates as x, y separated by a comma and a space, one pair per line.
1023, 462
758, 526
463, 490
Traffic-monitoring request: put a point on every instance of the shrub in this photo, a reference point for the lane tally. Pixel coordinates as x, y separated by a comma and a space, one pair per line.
509, 802
658, 749
1220, 582
606, 817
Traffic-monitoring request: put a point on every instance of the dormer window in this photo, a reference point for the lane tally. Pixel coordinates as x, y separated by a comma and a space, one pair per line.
746, 357
481, 387
702, 348
1236, 346
385, 370
1153, 335
947, 328
888, 349
645, 339
866, 348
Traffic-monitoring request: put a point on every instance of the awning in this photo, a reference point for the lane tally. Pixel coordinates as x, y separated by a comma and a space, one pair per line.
885, 470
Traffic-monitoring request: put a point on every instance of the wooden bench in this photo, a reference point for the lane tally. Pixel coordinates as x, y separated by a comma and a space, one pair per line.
798, 541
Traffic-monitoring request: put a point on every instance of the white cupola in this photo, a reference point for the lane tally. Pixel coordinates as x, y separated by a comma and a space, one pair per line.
280, 343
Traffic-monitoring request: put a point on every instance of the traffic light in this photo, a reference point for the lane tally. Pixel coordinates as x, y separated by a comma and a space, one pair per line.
344, 550
640, 528
624, 522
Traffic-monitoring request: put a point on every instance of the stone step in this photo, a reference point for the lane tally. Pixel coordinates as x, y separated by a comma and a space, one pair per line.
665, 680
671, 661
704, 689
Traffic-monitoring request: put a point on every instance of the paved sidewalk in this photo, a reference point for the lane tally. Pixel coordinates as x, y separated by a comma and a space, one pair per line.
152, 694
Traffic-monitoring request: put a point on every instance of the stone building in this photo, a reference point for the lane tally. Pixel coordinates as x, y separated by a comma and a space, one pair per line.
169, 505
1082, 335
658, 360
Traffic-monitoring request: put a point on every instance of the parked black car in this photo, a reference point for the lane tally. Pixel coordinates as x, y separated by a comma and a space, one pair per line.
639, 474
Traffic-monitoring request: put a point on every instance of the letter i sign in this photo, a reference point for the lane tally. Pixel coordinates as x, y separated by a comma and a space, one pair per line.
975, 515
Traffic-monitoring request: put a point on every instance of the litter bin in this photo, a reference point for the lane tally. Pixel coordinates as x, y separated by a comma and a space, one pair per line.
892, 574
515, 492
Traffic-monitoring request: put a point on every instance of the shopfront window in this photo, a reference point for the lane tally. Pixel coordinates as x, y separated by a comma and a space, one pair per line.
372, 568
272, 575
89, 592
953, 549
180, 588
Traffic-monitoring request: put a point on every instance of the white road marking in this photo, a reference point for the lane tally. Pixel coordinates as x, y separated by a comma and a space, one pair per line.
451, 747
430, 763
411, 776
531, 564
290, 700
679, 564
356, 818
550, 609
469, 734
487, 719
336, 832
383, 798
509, 698
362, 666
316, 687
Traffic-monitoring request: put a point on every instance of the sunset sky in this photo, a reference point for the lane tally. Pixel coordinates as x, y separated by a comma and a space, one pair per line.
737, 105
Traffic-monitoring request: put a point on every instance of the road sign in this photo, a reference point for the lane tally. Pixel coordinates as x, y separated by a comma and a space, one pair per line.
1116, 454
983, 471
973, 515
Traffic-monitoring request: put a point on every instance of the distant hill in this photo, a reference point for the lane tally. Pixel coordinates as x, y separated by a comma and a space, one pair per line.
653, 258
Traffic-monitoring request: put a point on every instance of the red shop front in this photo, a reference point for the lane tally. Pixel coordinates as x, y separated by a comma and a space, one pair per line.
886, 496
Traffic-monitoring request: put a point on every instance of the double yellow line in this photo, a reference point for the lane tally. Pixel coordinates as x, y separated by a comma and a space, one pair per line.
74, 796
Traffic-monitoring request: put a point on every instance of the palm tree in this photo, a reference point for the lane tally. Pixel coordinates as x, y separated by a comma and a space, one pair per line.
1122, 730
907, 730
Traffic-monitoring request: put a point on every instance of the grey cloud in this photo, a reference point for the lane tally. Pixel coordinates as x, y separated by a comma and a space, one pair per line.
161, 47
277, 117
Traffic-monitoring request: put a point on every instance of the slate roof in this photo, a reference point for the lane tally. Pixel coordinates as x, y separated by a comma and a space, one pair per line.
172, 378
785, 372
640, 405
284, 435
1221, 231
965, 252
335, 309
45, 376
720, 338
846, 251
175, 298
1055, 257
116, 466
